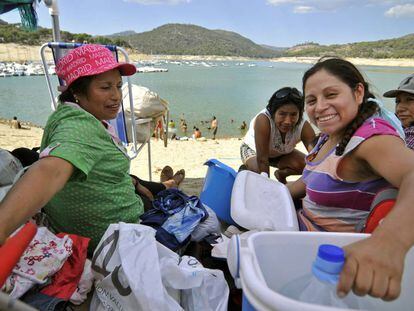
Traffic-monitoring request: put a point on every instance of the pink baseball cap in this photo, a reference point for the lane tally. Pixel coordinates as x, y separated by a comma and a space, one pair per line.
89, 60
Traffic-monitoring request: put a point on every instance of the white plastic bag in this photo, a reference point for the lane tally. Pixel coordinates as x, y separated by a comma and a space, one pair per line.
210, 225
126, 265
134, 272
147, 104
9, 167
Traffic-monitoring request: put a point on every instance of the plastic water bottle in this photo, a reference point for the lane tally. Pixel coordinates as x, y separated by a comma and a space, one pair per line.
319, 287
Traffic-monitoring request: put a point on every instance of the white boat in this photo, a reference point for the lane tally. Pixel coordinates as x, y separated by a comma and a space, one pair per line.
147, 69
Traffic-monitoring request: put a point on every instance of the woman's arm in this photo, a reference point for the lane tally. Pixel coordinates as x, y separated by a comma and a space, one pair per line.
297, 189
36, 187
261, 137
375, 265
307, 136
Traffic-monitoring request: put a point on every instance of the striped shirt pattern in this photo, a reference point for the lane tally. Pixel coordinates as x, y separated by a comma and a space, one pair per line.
331, 203
409, 136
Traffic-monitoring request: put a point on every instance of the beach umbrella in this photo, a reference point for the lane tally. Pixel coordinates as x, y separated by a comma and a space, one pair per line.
26, 9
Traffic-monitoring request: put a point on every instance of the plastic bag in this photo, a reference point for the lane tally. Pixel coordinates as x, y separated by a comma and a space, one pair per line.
134, 272
147, 104
209, 226
9, 167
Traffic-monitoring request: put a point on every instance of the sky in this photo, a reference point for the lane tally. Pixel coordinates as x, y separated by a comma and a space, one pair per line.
280, 23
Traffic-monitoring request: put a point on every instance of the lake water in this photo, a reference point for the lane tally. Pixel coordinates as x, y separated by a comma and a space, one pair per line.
229, 91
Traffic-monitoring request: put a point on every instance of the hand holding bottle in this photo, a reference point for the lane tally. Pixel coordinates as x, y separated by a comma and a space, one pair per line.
373, 266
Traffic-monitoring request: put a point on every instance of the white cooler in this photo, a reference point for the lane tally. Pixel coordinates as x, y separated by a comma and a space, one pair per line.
260, 203
267, 261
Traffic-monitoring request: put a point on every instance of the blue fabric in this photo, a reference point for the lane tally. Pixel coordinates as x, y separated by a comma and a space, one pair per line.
182, 223
44, 302
174, 215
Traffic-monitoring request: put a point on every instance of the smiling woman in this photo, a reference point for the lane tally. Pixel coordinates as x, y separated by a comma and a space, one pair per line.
358, 155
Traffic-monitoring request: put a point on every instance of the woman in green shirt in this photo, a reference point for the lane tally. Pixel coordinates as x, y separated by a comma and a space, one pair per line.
82, 178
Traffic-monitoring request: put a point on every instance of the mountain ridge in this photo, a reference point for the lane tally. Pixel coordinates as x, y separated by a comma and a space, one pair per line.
188, 39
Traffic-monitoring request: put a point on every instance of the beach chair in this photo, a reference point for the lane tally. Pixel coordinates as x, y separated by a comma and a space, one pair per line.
60, 49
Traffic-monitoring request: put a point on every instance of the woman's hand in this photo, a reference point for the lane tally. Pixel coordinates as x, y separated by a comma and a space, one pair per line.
142, 190
373, 266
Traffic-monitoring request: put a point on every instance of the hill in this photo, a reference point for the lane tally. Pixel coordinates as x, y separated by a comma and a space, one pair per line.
13, 33
180, 39
274, 48
402, 47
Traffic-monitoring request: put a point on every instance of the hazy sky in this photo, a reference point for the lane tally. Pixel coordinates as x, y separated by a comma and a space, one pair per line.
280, 23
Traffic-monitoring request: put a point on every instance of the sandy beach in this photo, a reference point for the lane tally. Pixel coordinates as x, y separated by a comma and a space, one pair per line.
190, 155
11, 52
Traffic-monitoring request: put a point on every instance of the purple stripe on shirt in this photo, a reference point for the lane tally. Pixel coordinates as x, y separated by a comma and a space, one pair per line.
323, 182
350, 199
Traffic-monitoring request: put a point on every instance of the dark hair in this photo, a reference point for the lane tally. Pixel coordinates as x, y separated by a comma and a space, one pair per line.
350, 75
79, 86
275, 103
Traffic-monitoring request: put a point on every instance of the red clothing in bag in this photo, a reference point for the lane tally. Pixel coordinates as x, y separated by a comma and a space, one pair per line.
65, 281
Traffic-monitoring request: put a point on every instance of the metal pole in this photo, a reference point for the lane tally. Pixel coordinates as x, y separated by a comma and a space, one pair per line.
54, 13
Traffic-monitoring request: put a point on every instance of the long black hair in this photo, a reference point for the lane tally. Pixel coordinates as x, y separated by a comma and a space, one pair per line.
350, 75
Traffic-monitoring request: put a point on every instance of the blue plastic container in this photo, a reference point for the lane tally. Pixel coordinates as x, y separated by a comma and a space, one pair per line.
217, 189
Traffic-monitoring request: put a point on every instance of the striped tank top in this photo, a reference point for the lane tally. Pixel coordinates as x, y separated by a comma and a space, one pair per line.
331, 203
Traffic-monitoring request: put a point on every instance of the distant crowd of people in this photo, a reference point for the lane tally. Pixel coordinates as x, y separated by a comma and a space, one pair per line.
211, 125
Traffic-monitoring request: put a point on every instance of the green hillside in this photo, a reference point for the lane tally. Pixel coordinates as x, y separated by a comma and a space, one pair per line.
13, 33
179, 39
402, 47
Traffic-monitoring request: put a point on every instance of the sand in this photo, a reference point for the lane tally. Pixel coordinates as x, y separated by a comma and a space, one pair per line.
12, 52
190, 155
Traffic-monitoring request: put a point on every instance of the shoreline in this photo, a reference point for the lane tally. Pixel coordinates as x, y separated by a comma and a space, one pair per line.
12, 52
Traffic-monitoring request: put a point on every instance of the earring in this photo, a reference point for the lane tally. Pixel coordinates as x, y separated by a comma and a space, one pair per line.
76, 100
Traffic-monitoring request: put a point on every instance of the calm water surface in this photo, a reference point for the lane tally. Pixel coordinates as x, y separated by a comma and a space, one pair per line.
229, 91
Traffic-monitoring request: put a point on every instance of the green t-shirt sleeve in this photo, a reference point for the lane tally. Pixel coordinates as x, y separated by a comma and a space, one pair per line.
78, 140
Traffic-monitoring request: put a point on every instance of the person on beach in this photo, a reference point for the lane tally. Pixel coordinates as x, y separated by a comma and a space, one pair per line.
357, 156
15, 124
243, 126
404, 99
172, 129
82, 177
159, 129
273, 134
197, 133
214, 126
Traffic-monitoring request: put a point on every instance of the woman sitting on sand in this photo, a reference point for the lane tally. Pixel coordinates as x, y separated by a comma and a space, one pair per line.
273, 134
82, 178
356, 157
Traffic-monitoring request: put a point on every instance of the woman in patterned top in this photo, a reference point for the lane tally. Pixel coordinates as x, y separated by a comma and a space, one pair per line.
273, 134
356, 157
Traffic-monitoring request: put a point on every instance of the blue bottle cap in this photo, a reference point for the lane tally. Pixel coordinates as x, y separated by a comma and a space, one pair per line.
331, 253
